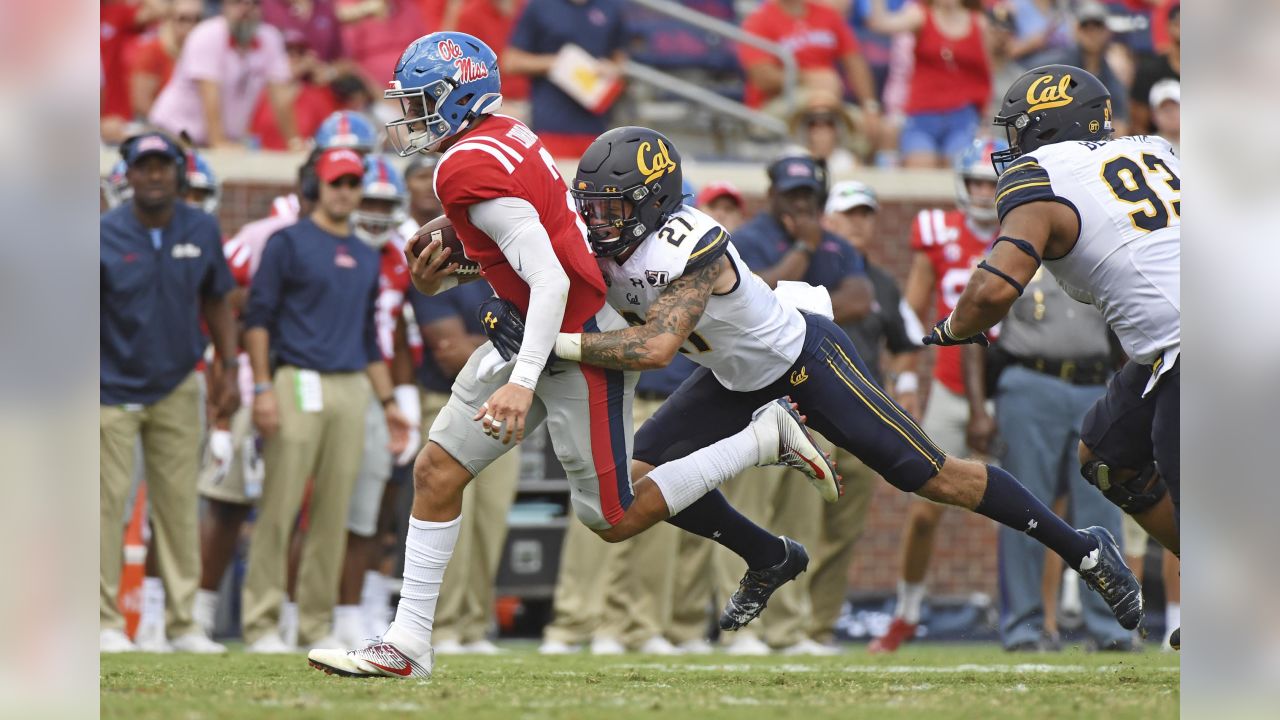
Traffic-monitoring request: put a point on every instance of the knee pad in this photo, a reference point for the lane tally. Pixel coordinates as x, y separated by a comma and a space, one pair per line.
1139, 494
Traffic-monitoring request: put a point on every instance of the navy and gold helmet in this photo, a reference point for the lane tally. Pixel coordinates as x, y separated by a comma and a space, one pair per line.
1050, 104
628, 183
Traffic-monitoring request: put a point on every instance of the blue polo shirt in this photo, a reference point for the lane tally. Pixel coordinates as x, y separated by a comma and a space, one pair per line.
762, 242
460, 302
314, 293
663, 382
544, 27
151, 285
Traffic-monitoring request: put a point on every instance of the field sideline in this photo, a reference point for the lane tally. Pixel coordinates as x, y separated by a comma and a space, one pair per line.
928, 681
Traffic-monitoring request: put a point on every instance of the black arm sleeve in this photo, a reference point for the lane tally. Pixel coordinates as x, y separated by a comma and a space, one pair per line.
708, 249
1023, 182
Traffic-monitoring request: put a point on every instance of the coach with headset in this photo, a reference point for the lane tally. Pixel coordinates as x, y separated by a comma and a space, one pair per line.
161, 269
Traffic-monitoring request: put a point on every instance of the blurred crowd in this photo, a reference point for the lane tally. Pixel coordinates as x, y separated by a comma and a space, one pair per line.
262, 402
885, 82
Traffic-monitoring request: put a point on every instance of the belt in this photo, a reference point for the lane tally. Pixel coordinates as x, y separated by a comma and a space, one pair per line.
1082, 371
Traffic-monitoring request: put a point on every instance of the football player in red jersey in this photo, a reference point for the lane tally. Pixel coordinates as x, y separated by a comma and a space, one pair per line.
946, 245
513, 213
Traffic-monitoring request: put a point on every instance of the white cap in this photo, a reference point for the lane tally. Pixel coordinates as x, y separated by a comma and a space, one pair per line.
850, 194
1167, 89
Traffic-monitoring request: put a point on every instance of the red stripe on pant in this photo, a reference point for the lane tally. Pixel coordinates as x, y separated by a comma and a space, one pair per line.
604, 427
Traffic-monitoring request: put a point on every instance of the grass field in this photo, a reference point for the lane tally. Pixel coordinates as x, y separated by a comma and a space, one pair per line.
928, 681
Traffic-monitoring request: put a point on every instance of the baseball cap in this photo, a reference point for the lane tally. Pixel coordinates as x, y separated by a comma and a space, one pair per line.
134, 149
797, 171
1091, 10
850, 194
1167, 89
719, 189
336, 162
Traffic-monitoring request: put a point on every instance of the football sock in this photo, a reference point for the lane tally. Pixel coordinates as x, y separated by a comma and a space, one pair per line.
910, 598
289, 622
205, 611
1007, 502
685, 480
712, 517
152, 610
427, 550
1172, 618
375, 600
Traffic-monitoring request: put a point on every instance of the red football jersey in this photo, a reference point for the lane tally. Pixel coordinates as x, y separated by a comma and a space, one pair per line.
954, 250
393, 283
503, 158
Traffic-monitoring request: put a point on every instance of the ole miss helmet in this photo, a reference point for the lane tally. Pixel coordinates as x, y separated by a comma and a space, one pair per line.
202, 185
382, 205
347, 129
1050, 104
975, 163
444, 81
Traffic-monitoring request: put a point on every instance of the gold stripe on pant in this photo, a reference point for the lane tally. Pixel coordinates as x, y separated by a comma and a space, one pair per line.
621, 590
326, 446
170, 431
465, 607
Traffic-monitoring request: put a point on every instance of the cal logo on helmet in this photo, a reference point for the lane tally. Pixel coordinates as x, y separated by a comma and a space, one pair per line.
654, 167
1044, 94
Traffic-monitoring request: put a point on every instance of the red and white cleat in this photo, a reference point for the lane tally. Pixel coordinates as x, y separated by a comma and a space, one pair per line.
899, 632
381, 659
784, 440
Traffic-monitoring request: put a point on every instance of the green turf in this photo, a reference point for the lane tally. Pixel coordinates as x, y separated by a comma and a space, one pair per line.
928, 681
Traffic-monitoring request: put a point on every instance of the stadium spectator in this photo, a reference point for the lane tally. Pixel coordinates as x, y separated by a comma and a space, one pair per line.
827, 130
1040, 26
225, 64
151, 64
1004, 67
951, 80
1154, 68
1166, 111
493, 21
823, 46
1090, 53
161, 270
313, 20
375, 32
313, 98
119, 26
311, 307
1052, 353
722, 201
851, 212
543, 30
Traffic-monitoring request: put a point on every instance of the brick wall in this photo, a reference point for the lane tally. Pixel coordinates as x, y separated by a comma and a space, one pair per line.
964, 552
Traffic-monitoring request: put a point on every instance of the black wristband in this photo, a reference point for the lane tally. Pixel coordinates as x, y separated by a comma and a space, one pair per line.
388, 400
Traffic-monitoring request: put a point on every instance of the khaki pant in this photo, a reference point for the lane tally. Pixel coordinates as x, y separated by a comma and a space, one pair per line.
693, 589
782, 501
621, 590
465, 607
170, 432
326, 445
841, 525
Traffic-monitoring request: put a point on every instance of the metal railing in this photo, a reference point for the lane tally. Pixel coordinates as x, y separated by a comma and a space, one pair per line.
712, 100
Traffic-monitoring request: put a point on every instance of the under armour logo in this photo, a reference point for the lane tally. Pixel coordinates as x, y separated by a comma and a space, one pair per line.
637, 282
491, 320
1032, 525
715, 534
799, 376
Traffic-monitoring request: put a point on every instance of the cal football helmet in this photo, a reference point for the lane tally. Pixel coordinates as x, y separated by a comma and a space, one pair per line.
628, 183
975, 164
115, 186
382, 207
1050, 104
444, 81
202, 185
349, 129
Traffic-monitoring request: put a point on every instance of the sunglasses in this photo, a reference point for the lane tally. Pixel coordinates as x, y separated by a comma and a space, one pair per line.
186, 19
820, 119
346, 181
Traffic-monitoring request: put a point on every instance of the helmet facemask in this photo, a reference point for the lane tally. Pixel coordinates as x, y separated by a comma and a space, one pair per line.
421, 127
376, 219
613, 225
1013, 126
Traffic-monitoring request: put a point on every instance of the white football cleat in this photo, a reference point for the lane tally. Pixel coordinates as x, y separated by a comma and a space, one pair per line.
784, 440
748, 645
658, 645
481, 647
115, 641
381, 659
811, 648
196, 642
270, 644
607, 646
555, 647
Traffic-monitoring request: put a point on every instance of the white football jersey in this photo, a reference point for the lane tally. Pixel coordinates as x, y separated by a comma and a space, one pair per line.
745, 336
1127, 195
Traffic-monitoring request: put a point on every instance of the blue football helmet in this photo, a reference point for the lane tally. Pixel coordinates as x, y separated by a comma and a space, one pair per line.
382, 207
443, 81
202, 190
115, 186
975, 164
347, 129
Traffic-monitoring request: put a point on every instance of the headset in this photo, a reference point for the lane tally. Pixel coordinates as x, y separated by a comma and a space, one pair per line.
308, 181
126, 149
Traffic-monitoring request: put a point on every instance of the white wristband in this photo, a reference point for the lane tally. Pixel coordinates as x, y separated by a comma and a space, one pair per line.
409, 403
569, 346
907, 382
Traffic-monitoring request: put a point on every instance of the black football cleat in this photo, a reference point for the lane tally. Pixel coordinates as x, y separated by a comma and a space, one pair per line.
756, 586
1175, 640
1112, 579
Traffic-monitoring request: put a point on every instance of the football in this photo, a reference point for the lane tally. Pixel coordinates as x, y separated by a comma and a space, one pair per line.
441, 229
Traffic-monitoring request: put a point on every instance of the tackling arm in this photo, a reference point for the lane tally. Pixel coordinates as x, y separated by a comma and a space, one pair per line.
999, 280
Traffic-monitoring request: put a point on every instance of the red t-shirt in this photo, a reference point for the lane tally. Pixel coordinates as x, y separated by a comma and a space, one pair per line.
151, 58
117, 29
482, 19
818, 39
312, 105
393, 283
376, 44
950, 73
953, 251
504, 158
